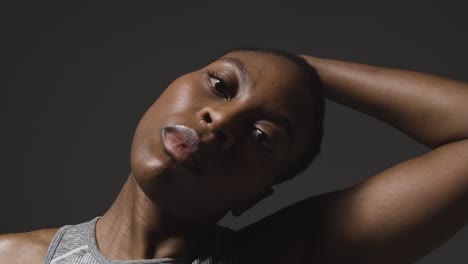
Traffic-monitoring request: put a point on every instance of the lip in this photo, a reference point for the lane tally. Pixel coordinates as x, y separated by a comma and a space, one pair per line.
182, 143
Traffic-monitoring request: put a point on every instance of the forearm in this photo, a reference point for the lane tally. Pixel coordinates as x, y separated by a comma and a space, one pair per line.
430, 109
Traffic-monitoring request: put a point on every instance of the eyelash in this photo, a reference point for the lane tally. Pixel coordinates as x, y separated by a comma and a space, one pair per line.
266, 148
224, 92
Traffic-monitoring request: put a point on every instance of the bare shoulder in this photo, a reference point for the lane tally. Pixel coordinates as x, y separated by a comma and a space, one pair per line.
27, 247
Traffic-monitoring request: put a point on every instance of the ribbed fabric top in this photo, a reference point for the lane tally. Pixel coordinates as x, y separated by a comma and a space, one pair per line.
76, 244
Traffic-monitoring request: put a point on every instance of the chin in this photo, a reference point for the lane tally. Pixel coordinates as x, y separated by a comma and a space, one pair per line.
176, 193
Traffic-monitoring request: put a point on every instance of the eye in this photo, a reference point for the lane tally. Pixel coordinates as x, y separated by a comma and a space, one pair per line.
219, 86
262, 140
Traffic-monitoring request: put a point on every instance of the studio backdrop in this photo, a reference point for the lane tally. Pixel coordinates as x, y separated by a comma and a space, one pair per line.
79, 76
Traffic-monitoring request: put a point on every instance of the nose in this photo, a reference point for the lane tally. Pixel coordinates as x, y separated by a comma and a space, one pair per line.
222, 124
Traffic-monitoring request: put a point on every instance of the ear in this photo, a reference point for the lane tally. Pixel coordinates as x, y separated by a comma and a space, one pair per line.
250, 203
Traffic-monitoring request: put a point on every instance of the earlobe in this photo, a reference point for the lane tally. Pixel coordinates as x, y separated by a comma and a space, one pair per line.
249, 204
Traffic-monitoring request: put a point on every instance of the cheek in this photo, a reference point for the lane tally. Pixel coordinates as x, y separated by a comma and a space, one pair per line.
178, 99
186, 94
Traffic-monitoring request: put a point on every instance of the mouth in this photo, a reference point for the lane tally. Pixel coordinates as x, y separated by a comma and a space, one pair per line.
182, 143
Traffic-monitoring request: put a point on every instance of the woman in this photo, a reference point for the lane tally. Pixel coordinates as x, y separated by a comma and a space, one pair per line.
217, 140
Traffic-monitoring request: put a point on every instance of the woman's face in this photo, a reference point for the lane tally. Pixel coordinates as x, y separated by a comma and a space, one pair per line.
217, 137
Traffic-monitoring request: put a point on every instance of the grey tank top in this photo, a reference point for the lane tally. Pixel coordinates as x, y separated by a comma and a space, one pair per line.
76, 244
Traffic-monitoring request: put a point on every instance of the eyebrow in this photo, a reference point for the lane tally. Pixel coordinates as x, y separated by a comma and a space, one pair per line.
239, 65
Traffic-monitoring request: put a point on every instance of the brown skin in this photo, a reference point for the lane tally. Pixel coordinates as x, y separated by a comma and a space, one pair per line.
162, 210
235, 168
28, 247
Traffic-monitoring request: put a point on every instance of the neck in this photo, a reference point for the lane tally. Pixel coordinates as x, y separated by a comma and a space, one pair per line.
136, 228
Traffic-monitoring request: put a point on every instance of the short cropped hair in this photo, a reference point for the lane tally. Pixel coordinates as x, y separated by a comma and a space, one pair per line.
314, 84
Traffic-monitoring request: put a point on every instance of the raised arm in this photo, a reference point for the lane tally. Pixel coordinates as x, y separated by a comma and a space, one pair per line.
402, 213
407, 210
432, 110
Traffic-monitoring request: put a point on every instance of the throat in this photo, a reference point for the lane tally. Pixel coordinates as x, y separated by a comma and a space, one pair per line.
134, 228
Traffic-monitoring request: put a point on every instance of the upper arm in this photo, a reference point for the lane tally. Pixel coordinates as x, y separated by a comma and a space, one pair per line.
28, 247
404, 212
398, 215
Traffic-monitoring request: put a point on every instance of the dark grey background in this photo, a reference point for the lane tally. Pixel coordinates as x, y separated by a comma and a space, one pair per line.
78, 76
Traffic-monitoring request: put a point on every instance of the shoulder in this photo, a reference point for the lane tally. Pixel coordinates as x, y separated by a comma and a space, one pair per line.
27, 247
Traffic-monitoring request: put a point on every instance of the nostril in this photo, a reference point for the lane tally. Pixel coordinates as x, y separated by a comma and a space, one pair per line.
207, 118
220, 135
